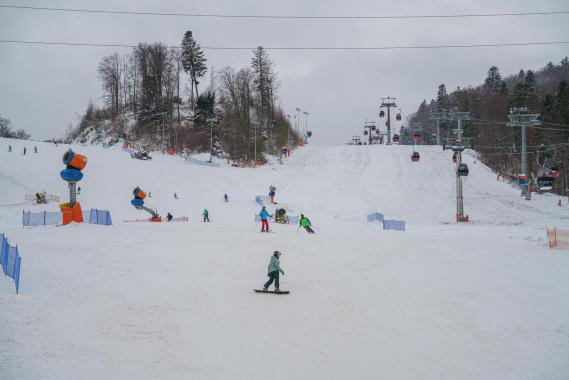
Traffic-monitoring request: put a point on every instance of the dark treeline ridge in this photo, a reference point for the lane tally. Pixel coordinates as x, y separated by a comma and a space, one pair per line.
145, 101
545, 92
7, 131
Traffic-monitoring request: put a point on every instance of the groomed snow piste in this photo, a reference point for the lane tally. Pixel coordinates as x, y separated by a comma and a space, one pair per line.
480, 300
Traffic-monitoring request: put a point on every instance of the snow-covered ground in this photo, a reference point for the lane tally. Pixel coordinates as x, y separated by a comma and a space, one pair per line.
483, 300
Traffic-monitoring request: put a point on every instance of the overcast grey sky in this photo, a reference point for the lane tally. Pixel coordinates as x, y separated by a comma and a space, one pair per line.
44, 88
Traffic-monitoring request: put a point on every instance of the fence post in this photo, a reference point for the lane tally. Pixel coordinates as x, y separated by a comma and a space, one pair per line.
555, 235
44, 217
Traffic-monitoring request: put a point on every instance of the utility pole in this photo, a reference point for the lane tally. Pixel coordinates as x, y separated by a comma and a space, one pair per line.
298, 121
458, 148
288, 136
520, 117
306, 126
438, 116
388, 103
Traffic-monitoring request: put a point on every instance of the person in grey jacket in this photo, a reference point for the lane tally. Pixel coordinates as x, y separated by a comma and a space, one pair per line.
274, 270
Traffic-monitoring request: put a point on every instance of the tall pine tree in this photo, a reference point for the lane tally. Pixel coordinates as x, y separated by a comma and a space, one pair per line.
193, 61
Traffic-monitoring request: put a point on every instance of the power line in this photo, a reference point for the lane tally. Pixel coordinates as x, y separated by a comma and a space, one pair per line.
494, 122
284, 17
301, 48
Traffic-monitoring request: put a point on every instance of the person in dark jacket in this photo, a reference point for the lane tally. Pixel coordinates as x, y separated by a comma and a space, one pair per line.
274, 270
169, 217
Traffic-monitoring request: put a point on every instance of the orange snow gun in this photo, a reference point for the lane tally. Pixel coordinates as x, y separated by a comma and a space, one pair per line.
138, 193
75, 160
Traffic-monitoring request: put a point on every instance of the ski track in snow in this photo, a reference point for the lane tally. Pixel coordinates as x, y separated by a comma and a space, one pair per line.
483, 300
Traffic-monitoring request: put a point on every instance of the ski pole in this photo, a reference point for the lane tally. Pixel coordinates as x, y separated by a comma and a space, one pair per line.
298, 229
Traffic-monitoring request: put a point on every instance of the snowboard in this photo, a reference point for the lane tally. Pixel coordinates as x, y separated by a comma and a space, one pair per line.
271, 291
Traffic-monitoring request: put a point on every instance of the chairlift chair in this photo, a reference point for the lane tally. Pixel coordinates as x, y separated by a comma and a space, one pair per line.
545, 182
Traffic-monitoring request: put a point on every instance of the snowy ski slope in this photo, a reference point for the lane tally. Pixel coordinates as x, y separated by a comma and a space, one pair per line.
483, 300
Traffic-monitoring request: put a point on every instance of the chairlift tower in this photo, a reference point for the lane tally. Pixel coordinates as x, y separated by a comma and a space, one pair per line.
458, 148
438, 116
370, 126
520, 117
388, 103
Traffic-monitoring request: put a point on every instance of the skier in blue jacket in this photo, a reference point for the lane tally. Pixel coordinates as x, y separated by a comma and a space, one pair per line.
264, 215
274, 269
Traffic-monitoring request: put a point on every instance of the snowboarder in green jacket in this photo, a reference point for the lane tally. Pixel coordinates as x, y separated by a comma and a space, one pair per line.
305, 222
274, 269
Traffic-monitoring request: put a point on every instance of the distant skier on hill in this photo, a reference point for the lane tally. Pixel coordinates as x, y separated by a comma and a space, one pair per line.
35, 148
225, 197
9, 148
273, 271
24, 151
175, 196
264, 215
205, 215
305, 222
79, 190
169, 217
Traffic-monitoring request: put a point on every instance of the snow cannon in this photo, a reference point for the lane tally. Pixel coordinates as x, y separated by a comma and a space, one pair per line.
72, 174
138, 203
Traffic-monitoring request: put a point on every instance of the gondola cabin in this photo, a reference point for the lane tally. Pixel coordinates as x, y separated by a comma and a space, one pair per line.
398, 117
381, 113
396, 138
552, 166
415, 156
462, 170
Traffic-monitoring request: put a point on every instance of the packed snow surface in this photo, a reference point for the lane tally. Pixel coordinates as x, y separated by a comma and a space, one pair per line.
480, 300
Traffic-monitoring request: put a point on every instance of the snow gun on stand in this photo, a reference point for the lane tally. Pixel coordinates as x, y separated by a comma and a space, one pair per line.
138, 203
75, 162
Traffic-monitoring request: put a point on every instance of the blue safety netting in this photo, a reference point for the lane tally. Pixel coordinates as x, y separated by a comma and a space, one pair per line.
30, 219
397, 225
375, 216
203, 163
100, 217
261, 199
94, 216
10, 261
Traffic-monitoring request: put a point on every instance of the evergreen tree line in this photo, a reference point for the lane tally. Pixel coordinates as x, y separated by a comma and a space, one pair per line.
144, 101
545, 92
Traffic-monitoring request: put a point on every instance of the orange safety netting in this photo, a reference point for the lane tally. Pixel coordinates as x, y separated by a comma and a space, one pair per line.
558, 238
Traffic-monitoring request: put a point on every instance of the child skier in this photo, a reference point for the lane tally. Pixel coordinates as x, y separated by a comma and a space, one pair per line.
273, 272
264, 214
305, 222
205, 215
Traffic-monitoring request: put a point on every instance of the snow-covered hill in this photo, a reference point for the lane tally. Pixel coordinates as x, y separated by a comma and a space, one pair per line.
442, 300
